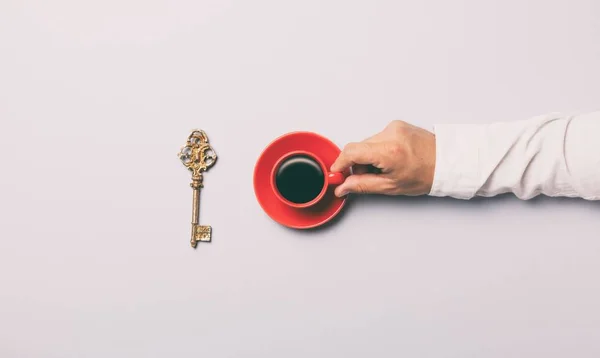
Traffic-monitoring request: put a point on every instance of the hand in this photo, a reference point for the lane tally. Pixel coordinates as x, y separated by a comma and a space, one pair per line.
400, 160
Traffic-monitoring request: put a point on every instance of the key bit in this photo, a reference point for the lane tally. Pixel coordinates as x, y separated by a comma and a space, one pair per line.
198, 156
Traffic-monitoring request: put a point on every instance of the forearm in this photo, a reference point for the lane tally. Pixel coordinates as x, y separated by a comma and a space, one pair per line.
553, 155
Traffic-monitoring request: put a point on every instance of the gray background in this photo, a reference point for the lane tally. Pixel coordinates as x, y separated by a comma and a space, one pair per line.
97, 97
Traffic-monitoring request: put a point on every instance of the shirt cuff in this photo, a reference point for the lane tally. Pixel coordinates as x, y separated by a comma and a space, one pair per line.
457, 170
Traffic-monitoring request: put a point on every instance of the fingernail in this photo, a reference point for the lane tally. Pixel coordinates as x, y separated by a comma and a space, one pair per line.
343, 193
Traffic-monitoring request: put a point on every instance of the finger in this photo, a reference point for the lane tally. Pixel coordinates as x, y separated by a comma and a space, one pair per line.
363, 184
356, 153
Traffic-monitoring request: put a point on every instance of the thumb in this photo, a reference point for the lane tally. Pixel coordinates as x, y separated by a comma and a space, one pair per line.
363, 184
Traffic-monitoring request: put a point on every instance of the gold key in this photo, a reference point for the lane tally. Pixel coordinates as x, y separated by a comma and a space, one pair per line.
198, 156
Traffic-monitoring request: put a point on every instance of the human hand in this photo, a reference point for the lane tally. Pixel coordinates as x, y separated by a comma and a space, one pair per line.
400, 160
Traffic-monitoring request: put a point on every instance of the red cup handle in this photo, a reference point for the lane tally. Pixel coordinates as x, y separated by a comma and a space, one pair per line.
335, 178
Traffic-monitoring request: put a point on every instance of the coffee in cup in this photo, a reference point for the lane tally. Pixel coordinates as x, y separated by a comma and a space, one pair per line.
300, 179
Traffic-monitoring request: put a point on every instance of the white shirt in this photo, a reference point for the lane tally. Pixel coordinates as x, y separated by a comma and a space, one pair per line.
553, 155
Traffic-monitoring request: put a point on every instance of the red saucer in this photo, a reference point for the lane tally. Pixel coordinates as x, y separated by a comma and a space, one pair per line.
307, 218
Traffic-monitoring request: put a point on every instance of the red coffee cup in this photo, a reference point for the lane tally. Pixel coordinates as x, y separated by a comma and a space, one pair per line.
330, 179
322, 205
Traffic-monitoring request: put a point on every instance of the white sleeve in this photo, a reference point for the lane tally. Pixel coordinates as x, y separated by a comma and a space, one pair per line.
553, 155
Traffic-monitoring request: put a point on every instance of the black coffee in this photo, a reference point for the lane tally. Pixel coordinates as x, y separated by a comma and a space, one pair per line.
299, 179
